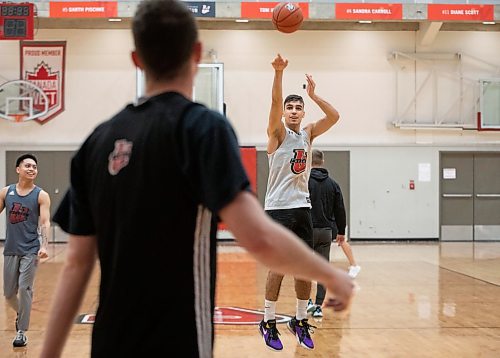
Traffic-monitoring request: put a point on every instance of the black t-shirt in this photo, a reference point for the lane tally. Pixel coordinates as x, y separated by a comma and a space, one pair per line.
145, 183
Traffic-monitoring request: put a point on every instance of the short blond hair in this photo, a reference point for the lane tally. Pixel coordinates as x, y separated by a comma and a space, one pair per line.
317, 157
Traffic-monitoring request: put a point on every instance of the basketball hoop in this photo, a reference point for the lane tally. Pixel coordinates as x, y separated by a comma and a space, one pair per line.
18, 118
21, 101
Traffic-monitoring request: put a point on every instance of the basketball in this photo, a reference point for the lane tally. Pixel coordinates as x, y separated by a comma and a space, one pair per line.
287, 17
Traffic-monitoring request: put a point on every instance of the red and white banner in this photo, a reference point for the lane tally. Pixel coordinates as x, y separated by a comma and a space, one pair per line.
349, 11
453, 12
43, 63
264, 10
83, 9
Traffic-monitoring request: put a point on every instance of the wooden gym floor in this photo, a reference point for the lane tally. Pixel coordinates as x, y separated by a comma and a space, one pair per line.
415, 300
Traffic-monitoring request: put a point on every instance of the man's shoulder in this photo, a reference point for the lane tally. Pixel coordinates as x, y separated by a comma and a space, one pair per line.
42, 192
124, 113
307, 129
8, 187
202, 117
332, 180
335, 184
198, 109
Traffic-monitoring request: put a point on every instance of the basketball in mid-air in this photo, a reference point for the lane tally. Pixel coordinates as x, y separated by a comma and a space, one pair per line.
287, 17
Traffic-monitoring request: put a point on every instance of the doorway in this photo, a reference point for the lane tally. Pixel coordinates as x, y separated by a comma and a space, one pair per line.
470, 196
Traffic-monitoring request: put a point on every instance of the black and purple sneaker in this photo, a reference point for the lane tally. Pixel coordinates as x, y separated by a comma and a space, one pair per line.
270, 333
302, 330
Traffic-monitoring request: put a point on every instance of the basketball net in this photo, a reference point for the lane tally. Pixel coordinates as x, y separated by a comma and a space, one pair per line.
18, 118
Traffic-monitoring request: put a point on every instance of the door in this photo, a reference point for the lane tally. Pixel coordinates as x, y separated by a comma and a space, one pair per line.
457, 202
487, 197
470, 196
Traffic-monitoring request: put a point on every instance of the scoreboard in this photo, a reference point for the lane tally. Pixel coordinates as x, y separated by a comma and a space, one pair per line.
16, 21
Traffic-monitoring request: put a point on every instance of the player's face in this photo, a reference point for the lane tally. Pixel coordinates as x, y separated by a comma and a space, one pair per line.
27, 169
294, 113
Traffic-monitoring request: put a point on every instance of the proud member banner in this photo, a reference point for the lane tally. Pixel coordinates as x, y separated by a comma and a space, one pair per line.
43, 63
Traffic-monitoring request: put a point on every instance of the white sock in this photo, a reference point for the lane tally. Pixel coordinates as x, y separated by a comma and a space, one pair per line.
301, 309
269, 310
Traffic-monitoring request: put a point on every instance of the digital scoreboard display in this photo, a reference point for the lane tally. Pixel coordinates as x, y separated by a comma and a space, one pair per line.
16, 21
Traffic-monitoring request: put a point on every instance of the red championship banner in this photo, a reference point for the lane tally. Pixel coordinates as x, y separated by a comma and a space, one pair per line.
249, 159
264, 10
43, 63
453, 12
83, 9
348, 11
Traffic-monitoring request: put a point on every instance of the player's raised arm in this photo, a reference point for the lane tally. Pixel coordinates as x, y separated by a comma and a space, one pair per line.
331, 115
276, 128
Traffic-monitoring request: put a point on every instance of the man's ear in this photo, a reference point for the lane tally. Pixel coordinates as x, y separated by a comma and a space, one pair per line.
197, 51
136, 60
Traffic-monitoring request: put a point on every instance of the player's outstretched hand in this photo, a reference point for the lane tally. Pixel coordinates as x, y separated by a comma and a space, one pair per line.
279, 63
339, 292
311, 86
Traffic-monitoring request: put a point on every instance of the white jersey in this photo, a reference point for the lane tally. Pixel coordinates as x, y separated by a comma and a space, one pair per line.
289, 169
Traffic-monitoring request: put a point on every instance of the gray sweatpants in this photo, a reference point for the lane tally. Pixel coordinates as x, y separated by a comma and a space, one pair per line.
18, 278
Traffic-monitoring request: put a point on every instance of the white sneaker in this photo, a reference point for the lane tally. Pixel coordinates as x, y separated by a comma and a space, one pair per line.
20, 340
310, 306
318, 312
354, 270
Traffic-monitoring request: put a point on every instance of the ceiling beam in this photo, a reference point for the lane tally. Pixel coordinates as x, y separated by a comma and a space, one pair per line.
428, 32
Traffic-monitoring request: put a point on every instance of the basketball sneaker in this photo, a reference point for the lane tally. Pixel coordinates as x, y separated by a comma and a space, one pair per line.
310, 306
270, 333
20, 340
302, 330
354, 270
318, 312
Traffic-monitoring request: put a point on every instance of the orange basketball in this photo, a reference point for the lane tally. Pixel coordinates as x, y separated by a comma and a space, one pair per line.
287, 17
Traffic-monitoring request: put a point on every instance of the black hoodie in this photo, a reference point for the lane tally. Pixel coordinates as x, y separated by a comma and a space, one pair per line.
327, 201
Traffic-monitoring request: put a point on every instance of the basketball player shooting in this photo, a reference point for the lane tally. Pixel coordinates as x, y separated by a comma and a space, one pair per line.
287, 197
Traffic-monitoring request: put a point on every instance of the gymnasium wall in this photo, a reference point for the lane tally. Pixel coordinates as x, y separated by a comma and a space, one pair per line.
352, 71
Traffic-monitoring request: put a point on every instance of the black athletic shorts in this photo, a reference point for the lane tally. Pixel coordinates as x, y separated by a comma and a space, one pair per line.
297, 220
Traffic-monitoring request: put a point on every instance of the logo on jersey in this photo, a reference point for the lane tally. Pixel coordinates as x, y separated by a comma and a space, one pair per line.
298, 162
18, 213
120, 156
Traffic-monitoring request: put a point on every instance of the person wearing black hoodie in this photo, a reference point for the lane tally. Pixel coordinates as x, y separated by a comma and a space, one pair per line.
329, 222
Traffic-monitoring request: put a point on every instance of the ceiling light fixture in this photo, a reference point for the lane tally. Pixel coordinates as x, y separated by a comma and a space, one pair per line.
489, 23
364, 21
242, 20
114, 19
